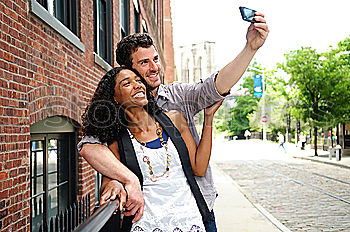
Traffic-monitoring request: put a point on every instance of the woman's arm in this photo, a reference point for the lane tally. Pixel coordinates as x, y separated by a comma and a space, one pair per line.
200, 156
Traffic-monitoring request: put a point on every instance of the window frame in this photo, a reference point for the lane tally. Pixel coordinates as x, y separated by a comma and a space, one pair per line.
124, 12
71, 181
41, 12
66, 166
104, 62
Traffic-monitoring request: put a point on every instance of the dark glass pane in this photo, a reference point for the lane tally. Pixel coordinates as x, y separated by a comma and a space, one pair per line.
39, 162
66, 12
73, 20
52, 155
63, 194
37, 208
102, 29
43, 3
32, 163
122, 13
52, 180
37, 145
98, 180
63, 160
53, 203
136, 21
39, 184
124, 17
59, 11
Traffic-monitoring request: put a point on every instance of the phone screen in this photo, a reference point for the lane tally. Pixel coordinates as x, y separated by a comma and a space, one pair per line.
247, 14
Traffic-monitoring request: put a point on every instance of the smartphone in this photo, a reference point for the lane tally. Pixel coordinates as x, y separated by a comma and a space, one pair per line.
247, 14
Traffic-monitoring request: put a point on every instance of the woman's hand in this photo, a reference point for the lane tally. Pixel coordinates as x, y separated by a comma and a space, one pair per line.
111, 190
210, 111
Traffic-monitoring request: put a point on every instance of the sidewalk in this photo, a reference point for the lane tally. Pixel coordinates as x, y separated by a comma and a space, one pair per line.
235, 213
323, 156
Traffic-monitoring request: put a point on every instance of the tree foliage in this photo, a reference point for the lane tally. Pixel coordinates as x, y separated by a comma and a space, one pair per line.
320, 85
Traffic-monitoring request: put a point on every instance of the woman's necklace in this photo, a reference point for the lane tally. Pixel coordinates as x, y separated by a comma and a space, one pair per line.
146, 158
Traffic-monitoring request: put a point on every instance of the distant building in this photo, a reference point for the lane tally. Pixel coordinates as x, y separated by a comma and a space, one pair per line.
195, 61
52, 55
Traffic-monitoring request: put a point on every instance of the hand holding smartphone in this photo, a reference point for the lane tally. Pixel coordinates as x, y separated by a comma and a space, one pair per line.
247, 14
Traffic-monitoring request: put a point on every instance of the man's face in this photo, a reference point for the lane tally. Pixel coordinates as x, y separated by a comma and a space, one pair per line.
146, 62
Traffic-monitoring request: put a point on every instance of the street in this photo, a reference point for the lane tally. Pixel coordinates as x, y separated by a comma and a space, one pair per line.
302, 195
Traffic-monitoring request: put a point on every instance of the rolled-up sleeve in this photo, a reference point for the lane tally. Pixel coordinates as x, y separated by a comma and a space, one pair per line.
196, 96
89, 139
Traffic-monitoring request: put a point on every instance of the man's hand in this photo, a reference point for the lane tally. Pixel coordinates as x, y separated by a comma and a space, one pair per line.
135, 202
257, 32
111, 190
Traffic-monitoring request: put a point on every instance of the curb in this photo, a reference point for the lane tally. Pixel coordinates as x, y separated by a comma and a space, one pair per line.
272, 219
322, 161
275, 222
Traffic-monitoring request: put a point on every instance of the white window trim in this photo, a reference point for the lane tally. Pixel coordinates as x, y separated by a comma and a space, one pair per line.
44, 15
101, 62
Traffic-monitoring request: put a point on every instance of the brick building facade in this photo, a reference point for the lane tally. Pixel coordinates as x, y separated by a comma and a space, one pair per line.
52, 55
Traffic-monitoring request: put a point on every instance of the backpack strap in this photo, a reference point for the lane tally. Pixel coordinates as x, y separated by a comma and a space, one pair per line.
181, 148
129, 159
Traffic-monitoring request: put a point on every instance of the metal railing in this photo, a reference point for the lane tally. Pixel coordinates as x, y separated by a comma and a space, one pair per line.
72, 217
99, 218
77, 218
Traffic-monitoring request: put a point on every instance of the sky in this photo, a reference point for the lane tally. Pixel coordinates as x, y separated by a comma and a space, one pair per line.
292, 24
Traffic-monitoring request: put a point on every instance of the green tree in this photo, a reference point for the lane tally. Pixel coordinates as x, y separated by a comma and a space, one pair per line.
337, 66
317, 84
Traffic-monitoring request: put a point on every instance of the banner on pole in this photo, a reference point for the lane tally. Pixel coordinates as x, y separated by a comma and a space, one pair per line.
258, 86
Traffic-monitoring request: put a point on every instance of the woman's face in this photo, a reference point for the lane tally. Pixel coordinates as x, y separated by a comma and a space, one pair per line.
129, 89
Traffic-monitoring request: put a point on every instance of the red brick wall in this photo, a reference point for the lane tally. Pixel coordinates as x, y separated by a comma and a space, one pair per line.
168, 45
41, 75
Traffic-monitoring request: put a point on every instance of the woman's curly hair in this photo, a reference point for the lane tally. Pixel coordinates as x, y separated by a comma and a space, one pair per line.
103, 117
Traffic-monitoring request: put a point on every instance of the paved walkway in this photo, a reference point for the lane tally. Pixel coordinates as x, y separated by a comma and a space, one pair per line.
323, 156
235, 213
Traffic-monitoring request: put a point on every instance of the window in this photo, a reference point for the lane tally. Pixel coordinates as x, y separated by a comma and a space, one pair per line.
61, 15
136, 20
64, 10
103, 29
52, 167
124, 18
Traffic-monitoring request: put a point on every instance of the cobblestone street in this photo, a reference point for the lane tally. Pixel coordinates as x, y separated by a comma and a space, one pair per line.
303, 195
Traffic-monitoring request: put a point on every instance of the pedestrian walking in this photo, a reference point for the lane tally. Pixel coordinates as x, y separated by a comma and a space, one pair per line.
302, 138
247, 134
281, 141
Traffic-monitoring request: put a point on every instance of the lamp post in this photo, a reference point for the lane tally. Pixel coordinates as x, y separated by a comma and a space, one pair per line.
259, 92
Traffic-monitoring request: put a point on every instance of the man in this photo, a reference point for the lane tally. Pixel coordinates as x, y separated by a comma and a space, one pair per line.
138, 52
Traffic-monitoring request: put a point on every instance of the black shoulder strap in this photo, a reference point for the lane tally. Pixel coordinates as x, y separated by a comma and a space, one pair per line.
181, 148
128, 156
129, 159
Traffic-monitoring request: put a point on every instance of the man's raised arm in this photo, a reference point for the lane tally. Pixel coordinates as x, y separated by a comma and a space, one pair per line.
233, 71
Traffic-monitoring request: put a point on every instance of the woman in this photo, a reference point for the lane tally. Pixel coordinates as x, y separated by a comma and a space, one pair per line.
158, 148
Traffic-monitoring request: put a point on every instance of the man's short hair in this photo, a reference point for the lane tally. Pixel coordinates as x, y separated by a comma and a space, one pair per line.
129, 44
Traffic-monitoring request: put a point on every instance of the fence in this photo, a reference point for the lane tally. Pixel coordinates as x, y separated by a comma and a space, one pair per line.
77, 218
71, 218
